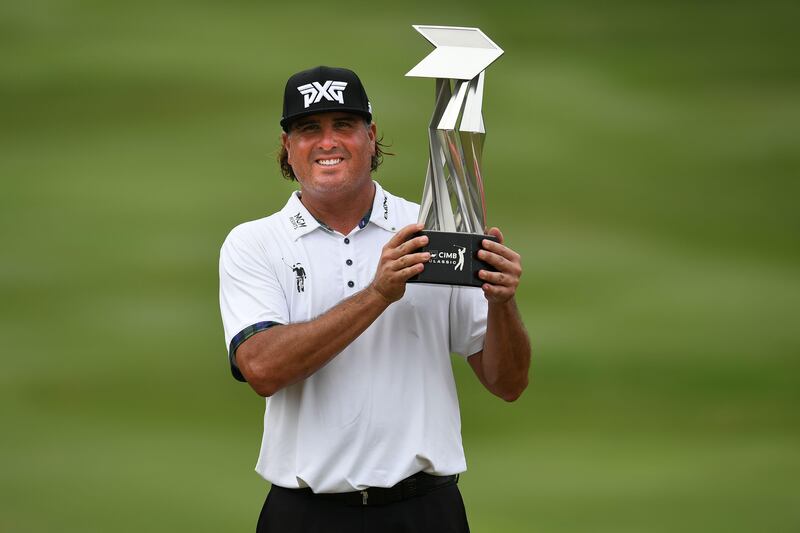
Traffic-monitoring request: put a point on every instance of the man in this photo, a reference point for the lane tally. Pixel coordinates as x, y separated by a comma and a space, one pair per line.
361, 429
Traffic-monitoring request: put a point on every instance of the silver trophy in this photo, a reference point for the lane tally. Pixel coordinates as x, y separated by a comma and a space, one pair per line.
453, 206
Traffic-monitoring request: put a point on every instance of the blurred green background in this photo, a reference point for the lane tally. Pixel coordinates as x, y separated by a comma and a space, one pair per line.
642, 156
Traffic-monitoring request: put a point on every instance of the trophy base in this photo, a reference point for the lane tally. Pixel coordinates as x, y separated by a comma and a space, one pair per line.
454, 259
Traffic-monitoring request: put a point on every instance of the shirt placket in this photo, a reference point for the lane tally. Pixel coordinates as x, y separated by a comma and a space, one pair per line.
348, 264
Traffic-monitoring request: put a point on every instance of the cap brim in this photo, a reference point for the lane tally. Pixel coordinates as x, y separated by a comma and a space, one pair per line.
286, 122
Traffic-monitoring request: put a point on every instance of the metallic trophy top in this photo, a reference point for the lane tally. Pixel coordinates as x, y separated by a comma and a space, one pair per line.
460, 54
453, 198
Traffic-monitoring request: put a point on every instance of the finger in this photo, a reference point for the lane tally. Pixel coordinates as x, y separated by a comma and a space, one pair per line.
496, 293
500, 263
499, 278
408, 247
411, 271
500, 249
495, 232
404, 234
410, 259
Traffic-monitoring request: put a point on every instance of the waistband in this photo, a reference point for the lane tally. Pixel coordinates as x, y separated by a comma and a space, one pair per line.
417, 485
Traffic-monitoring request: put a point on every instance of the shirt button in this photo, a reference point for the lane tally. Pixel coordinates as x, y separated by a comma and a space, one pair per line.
350, 284
346, 240
349, 262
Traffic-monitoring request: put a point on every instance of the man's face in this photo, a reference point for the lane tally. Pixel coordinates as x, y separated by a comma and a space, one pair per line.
330, 152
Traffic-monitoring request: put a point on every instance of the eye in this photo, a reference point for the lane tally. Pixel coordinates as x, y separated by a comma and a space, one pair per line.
343, 124
308, 127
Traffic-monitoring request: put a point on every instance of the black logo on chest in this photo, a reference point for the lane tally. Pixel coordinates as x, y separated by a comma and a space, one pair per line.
299, 275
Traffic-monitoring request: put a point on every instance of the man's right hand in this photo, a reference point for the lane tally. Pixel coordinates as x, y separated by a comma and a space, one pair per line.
397, 263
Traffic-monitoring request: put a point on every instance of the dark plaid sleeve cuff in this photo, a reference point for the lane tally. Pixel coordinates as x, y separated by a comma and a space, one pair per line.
239, 338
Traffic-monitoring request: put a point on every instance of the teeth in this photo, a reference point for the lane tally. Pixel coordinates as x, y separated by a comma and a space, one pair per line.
329, 162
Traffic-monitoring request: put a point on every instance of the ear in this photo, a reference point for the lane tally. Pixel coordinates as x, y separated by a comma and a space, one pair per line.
373, 133
285, 143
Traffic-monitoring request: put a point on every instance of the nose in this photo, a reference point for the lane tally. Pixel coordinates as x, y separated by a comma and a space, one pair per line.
327, 138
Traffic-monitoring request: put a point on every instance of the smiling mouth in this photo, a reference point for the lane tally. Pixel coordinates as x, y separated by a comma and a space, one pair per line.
329, 162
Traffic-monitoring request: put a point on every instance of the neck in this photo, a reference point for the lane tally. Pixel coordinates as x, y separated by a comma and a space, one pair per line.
341, 212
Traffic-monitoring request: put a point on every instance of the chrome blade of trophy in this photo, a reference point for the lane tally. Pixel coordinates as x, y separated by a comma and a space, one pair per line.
453, 206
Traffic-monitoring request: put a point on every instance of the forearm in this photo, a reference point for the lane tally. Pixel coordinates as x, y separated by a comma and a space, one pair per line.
283, 355
506, 353
286, 354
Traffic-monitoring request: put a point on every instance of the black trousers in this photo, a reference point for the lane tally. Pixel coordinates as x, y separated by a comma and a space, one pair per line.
288, 511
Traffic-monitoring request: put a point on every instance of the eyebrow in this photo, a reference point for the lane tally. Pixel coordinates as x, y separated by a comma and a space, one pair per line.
303, 122
306, 121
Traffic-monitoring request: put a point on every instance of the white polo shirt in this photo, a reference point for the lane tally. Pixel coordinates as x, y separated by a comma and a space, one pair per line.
386, 406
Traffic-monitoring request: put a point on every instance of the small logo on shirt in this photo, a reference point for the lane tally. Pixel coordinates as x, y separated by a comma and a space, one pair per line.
297, 221
299, 275
385, 208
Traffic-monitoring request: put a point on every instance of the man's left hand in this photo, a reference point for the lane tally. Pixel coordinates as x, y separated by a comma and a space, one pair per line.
500, 286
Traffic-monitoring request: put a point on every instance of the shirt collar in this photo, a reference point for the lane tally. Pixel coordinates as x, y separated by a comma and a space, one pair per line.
298, 221
383, 209
296, 218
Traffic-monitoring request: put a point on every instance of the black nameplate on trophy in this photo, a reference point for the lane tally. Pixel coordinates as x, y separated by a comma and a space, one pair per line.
454, 259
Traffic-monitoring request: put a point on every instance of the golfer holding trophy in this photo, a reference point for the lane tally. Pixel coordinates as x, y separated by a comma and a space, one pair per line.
362, 427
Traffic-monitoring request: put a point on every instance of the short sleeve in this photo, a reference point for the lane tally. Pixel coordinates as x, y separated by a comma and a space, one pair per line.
468, 311
250, 295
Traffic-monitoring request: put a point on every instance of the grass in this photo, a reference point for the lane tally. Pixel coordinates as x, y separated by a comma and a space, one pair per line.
642, 157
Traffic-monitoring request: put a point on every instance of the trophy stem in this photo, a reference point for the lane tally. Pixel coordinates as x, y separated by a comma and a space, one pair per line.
454, 196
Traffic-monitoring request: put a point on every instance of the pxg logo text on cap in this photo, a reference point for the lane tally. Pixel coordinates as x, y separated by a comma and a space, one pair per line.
314, 92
